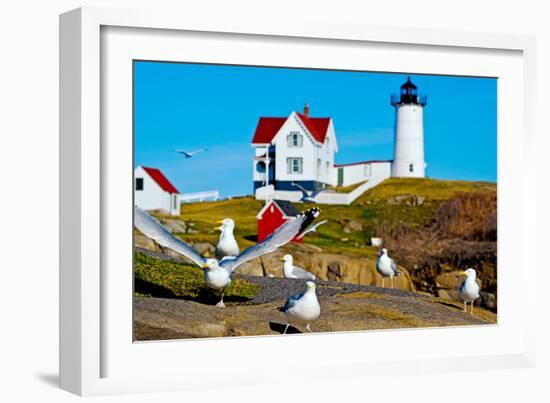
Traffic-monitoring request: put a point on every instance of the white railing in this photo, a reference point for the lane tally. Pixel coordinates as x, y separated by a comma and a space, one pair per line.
213, 195
327, 197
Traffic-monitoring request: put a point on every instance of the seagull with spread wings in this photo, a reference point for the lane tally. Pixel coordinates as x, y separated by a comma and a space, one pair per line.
189, 154
217, 273
307, 196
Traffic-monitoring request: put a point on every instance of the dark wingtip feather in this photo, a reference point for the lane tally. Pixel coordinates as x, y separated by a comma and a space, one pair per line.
310, 215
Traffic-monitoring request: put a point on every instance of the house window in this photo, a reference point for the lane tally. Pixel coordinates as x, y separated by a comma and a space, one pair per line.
367, 170
175, 202
294, 139
411, 168
294, 165
139, 183
260, 167
318, 166
327, 167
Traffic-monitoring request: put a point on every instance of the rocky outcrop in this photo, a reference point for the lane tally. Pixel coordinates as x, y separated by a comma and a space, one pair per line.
325, 266
344, 307
409, 200
349, 226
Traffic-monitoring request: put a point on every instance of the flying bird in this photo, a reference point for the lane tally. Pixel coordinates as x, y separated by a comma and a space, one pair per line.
469, 290
217, 273
307, 196
386, 266
227, 244
303, 308
189, 154
291, 271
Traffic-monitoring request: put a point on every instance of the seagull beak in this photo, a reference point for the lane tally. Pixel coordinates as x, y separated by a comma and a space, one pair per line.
219, 222
462, 273
282, 259
204, 266
219, 228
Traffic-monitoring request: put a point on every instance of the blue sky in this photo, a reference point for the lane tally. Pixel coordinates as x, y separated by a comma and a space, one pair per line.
189, 106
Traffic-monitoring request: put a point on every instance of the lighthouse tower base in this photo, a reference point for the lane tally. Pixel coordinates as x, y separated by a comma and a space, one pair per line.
408, 159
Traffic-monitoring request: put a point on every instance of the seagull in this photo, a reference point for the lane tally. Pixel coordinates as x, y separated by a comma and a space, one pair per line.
302, 308
217, 273
469, 290
189, 154
307, 196
227, 245
386, 266
291, 271
311, 228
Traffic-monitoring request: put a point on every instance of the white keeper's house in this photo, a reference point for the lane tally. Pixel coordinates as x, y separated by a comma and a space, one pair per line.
153, 191
301, 149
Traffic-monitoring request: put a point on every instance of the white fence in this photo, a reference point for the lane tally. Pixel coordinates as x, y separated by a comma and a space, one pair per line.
212, 195
327, 197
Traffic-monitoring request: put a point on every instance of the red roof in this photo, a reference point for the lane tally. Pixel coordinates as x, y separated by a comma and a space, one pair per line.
161, 180
268, 127
318, 127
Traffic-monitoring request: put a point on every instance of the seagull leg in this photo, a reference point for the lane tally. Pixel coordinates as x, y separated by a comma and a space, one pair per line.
465, 307
472, 308
391, 281
383, 282
308, 328
221, 304
287, 325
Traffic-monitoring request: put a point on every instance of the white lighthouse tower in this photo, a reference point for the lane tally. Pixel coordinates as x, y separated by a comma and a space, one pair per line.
408, 160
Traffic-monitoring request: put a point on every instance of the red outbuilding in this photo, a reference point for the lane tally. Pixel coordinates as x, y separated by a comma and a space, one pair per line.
273, 215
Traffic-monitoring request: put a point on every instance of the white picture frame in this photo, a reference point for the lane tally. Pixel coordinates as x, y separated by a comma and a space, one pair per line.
88, 316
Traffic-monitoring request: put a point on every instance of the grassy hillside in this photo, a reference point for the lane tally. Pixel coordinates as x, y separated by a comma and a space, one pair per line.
375, 211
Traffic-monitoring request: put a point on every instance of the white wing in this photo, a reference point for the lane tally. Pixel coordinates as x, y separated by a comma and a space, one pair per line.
282, 235
311, 228
151, 228
301, 273
197, 151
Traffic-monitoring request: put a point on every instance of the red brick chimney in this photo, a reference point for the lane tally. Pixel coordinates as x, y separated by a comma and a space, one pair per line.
306, 109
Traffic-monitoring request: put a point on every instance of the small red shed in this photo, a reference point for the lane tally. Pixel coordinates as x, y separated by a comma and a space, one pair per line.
273, 215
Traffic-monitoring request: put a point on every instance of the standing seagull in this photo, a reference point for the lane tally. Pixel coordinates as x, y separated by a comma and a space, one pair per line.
227, 245
386, 266
469, 290
291, 271
302, 308
189, 154
217, 273
307, 196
